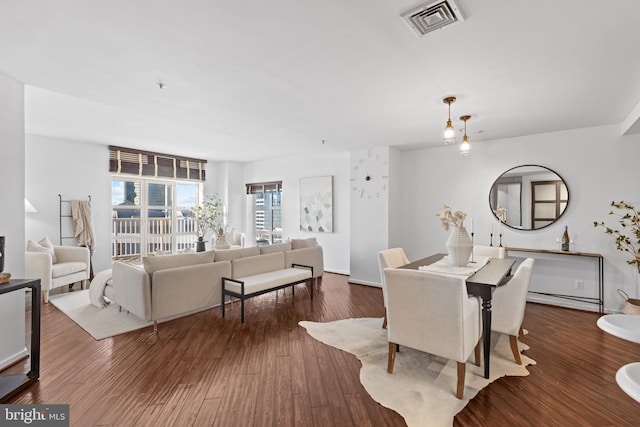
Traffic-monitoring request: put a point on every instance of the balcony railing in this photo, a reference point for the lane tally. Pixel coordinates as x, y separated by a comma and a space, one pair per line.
129, 236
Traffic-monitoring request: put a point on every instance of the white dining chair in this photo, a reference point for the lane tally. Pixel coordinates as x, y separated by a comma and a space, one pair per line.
489, 251
432, 313
389, 258
509, 301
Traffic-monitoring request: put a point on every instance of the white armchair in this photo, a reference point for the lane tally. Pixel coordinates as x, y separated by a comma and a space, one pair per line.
389, 258
432, 313
508, 304
72, 264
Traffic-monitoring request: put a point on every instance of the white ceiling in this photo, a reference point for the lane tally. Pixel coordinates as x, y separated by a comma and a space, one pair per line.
251, 79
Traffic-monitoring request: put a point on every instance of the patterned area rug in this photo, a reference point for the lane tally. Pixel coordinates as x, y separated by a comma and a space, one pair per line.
422, 386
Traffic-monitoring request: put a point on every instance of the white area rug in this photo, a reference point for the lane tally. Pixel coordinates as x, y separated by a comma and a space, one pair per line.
422, 386
100, 323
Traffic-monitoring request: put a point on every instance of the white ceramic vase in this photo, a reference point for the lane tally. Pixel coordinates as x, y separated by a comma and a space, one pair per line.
459, 246
222, 242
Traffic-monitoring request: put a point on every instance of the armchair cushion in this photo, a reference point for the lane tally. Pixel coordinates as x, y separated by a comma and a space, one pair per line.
66, 268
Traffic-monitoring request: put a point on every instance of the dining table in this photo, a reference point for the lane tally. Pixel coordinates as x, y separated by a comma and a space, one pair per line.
482, 283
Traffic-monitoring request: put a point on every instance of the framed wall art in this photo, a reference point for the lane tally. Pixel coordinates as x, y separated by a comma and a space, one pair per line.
316, 204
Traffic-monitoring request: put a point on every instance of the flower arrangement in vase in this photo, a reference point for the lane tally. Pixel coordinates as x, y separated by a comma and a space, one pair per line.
628, 237
459, 244
210, 216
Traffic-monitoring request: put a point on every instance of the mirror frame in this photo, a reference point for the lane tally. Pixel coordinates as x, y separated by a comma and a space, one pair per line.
492, 196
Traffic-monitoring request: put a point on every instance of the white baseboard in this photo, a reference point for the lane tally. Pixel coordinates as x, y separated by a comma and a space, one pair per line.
22, 354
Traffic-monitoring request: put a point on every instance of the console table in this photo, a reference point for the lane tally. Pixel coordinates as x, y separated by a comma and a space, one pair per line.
10, 384
590, 300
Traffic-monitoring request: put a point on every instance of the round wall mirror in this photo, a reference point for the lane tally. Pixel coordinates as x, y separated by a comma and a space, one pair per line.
528, 197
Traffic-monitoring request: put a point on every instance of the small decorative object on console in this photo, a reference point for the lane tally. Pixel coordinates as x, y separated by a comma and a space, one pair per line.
565, 239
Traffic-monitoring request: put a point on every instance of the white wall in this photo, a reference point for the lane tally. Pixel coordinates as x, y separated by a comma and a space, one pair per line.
75, 170
12, 154
370, 214
289, 170
12, 173
598, 166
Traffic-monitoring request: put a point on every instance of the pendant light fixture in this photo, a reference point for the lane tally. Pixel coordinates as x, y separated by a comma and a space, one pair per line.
449, 132
465, 147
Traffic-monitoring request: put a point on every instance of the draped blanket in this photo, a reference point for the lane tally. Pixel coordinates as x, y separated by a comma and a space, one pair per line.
83, 222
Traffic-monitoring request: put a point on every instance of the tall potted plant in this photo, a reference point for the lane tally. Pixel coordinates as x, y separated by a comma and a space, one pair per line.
209, 215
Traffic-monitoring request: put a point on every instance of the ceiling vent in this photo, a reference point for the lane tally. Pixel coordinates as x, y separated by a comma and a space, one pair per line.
432, 16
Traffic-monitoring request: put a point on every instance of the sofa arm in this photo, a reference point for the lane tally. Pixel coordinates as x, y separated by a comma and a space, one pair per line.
37, 265
132, 289
312, 256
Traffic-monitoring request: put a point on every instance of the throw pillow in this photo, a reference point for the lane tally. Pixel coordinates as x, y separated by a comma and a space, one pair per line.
43, 246
278, 247
303, 243
155, 263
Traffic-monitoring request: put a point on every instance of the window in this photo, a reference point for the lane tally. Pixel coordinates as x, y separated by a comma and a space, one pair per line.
152, 195
267, 211
152, 215
268, 218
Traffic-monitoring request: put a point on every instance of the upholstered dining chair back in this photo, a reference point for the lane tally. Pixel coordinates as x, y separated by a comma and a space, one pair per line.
489, 251
432, 313
509, 303
389, 258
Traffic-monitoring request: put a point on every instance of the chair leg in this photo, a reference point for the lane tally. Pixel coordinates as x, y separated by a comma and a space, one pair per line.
45, 297
392, 357
384, 321
513, 340
477, 351
521, 335
460, 388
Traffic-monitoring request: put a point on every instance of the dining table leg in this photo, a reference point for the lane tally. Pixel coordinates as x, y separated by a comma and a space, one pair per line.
486, 332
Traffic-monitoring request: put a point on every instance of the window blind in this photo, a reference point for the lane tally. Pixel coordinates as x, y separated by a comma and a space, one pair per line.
264, 187
147, 163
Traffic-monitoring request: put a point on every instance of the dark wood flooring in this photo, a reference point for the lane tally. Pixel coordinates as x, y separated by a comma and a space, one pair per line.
202, 370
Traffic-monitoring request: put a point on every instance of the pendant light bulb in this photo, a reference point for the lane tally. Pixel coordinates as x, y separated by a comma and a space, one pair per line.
449, 133
465, 146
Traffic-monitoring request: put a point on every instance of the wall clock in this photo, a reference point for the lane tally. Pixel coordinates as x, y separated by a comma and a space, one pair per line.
369, 178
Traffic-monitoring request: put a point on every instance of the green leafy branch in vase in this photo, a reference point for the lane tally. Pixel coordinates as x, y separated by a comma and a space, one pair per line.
210, 215
628, 236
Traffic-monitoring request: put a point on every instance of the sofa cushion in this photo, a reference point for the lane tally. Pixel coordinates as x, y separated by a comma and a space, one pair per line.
66, 268
303, 243
44, 246
231, 254
278, 247
155, 263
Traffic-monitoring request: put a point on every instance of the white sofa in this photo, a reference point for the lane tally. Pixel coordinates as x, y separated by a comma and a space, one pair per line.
166, 286
57, 266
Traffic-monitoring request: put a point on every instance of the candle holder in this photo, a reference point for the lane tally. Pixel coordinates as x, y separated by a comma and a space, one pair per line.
472, 260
